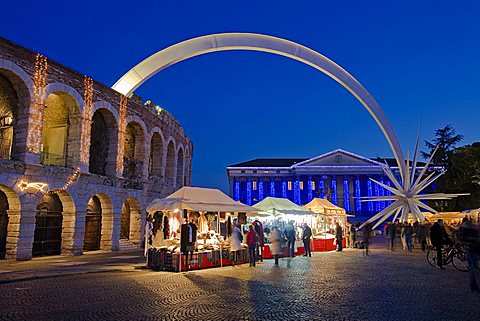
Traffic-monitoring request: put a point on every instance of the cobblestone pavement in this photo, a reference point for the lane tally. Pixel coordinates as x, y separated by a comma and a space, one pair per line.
329, 286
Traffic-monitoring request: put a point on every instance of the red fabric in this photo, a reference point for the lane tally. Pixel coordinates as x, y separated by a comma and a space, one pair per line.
251, 238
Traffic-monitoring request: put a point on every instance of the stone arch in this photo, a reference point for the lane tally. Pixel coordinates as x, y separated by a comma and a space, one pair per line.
62, 126
135, 149
54, 224
170, 161
264, 43
180, 172
155, 166
103, 143
11, 222
106, 239
131, 221
14, 137
93, 225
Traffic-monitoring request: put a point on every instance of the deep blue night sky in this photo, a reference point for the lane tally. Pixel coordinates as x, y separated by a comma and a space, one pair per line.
419, 59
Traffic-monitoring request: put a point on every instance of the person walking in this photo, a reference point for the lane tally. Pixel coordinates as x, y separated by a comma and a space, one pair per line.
422, 236
339, 237
407, 234
307, 234
235, 244
367, 237
291, 235
252, 244
438, 237
391, 235
276, 241
402, 235
469, 235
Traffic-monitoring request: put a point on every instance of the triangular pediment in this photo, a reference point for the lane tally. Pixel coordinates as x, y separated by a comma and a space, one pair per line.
338, 157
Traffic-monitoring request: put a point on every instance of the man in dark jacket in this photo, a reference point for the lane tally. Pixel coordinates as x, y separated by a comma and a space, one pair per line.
470, 236
290, 235
438, 235
307, 234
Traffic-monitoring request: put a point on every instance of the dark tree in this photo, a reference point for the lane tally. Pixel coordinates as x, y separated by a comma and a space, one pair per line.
445, 139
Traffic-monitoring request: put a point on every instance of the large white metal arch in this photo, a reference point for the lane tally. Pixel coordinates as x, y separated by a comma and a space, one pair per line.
258, 42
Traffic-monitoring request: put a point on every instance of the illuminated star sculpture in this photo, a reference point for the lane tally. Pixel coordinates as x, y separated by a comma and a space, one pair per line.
406, 191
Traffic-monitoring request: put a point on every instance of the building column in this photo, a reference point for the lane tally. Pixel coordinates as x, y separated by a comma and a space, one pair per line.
26, 234
79, 234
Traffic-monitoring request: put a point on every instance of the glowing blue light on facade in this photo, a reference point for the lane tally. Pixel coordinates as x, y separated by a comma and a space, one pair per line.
346, 195
296, 192
260, 191
321, 186
310, 190
284, 189
249, 192
236, 191
377, 193
334, 191
358, 203
369, 193
272, 189
382, 193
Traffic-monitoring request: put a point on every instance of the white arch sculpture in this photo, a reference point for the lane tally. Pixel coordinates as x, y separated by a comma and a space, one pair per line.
258, 42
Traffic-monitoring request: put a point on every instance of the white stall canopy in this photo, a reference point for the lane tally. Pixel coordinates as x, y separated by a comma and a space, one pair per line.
324, 207
199, 199
279, 206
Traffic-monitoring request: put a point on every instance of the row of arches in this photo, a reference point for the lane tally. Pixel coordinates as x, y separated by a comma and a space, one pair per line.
59, 229
146, 153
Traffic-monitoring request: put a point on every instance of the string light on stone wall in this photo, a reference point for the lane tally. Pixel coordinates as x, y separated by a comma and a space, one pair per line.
34, 139
72, 178
121, 132
87, 118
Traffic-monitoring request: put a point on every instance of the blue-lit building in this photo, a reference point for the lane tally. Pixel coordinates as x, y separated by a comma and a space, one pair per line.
339, 176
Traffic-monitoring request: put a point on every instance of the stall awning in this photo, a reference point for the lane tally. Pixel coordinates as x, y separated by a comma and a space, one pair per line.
273, 206
199, 199
324, 207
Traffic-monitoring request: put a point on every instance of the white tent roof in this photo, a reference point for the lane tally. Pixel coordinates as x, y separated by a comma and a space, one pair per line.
198, 199
279, 206
323, 206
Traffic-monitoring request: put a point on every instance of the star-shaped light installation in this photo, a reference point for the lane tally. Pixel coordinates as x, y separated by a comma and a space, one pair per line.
406, 191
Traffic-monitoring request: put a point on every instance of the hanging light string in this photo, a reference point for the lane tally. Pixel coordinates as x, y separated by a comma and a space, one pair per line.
72, 178
87, 118
121, 132
34, 139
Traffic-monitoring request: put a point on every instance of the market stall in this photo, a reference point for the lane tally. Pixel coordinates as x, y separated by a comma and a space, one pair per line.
191, 229
279, 212
323, 229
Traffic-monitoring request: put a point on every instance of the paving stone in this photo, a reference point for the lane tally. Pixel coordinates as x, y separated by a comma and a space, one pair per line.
329, 286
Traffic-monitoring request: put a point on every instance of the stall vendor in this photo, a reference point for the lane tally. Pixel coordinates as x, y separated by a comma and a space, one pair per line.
188, 237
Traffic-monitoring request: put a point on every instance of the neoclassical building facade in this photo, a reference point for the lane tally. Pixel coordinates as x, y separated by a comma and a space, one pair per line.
79, 162
340, 176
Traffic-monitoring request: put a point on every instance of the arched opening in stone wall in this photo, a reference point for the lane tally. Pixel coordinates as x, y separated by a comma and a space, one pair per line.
170, 166
61, 130
131, 221
134, 151
106, 224
9, 222
48, 226
14, 105
180, 170
156, 155
3, 224
103, 143
93, 225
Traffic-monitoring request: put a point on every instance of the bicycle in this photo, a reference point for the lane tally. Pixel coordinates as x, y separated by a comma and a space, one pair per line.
454, 253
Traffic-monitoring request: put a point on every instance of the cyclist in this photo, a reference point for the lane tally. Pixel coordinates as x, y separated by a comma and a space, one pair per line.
469, 235
439, 236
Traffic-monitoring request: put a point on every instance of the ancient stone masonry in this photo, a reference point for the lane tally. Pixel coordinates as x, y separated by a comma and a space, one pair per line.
79, 162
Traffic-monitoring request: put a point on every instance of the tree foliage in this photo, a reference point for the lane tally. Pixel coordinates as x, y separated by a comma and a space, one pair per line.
446, 140
462, 167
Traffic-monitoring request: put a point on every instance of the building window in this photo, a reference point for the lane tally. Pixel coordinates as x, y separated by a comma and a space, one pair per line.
254, 172
242, 171
289, 185
278, 171
313, 185
254, 185
301, 186
265, 172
